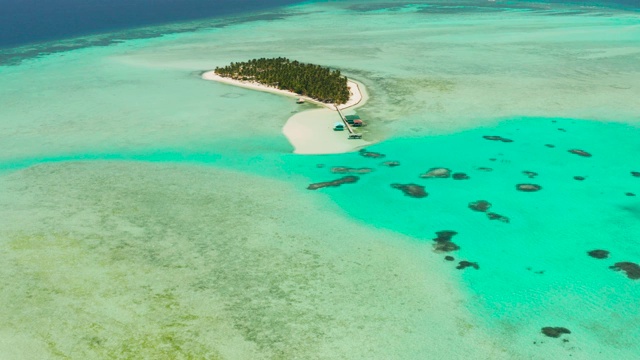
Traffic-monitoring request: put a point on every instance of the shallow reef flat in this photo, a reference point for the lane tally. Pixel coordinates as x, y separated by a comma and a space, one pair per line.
555, 254
141, 260
107, 259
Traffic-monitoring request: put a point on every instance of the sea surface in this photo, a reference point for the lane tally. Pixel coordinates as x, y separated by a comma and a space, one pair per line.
147, 213
28, 21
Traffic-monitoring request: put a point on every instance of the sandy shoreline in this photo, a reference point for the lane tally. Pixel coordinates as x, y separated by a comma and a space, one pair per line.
355, 99
311, 131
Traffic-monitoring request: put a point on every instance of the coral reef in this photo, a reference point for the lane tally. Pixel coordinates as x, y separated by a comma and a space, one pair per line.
460, 176
338, 182
494, 216
465, 264
391, 163
555, 332
528, 187
436, 173
598, 254
413, 190
497, 138
632, 269
371, 154
348, 170
444, 243
480, 205
580, 152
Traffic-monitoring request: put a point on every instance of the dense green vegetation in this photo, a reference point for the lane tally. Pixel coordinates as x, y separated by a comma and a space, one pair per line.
310, 80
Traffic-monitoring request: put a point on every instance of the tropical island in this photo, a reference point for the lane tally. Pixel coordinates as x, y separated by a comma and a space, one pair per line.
310, 131
314, 81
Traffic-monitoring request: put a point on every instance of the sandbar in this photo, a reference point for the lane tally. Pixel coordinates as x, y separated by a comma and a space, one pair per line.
311, 131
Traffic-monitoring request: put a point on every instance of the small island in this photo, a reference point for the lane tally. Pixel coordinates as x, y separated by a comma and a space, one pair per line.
311, 130
314, 81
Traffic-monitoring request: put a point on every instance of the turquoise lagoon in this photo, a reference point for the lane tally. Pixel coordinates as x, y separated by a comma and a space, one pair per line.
140, 220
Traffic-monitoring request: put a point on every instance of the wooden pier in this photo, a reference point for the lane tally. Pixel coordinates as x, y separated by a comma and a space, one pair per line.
344, 120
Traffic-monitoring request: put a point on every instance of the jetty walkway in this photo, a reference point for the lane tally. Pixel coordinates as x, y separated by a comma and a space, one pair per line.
344, 120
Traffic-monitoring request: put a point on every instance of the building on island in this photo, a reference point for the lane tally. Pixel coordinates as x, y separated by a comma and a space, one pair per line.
352, 118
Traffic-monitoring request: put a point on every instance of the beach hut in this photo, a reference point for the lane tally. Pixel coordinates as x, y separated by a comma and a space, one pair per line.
357, 123
339, 126
351, 118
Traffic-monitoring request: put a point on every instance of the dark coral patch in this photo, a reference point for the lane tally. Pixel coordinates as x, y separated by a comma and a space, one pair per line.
445, 246
492, 137
580, 152
338, 182
555, 332
528, 187
494, 216
598, 254
497, 138
635, 173
460, 176
449, 258
391, 163
436, 173
530, 174
371, 154
443, 241
480, 205
579, 178
413, 190
549, 145
348, 170
632, 269
319, 166
561, 129
465, 264
445, 235
487, 169
630, 194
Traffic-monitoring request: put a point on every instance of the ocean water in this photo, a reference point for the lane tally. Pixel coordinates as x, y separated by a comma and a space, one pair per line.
28, 22
146, 212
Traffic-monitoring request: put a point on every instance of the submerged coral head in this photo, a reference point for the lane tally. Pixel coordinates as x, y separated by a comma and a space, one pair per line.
412, 190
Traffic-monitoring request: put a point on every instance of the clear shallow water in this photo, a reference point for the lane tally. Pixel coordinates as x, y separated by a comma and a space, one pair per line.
534, 271
453, 77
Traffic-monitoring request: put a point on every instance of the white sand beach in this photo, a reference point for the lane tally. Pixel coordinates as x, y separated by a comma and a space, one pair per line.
311, 132
356, 97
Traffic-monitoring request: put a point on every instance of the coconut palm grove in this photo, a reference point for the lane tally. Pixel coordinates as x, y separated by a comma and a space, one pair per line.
317, 82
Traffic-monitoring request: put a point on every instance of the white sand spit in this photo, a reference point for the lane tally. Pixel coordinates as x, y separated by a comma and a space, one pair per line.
311, 132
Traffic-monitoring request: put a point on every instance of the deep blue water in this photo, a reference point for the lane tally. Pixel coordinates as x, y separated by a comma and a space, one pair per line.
33, 21
29, 21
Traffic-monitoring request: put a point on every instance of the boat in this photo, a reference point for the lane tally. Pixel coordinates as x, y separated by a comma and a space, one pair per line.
357, 123
339, 126
300, 101
355, 136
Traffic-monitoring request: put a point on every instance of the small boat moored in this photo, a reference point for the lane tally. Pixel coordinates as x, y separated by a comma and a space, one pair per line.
339, 126
355, 136
300, 101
